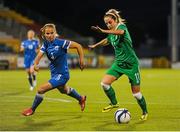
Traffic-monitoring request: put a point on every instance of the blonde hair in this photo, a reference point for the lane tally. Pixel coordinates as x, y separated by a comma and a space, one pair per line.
51, 25
115, 15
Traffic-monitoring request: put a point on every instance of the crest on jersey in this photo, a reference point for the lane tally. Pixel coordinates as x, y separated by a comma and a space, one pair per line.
56, 47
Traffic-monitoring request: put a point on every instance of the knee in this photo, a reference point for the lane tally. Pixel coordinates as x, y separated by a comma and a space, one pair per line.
64, 90
41, 91
105, 86
137, 95
61, 90
29, 76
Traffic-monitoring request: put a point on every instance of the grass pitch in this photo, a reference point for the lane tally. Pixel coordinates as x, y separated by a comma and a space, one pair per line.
58, 112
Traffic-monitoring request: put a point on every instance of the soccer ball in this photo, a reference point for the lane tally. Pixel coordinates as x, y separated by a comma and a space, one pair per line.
122, 115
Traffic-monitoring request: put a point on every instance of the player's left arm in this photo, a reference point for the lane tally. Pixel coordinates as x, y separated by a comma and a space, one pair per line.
78, 47
38, 46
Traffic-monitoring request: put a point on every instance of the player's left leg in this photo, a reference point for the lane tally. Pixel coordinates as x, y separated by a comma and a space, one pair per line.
73, 93
33, 73
27, 65
135, 80
141, 101
30, 79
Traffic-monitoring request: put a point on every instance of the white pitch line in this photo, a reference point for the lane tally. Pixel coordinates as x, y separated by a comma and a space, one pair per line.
51, 99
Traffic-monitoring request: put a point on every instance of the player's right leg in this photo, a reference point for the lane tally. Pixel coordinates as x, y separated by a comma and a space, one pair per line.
38, 99
144, 117
109, 91
110, 107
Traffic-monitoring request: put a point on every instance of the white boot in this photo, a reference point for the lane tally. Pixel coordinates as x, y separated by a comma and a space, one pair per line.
31, 88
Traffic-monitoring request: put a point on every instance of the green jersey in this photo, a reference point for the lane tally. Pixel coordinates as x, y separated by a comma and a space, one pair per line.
124, 52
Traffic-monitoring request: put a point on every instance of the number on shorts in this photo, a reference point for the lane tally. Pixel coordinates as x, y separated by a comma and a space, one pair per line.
137, 77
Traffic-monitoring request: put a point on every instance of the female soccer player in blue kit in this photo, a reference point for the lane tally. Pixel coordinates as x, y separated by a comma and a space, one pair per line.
56, 51
30, 46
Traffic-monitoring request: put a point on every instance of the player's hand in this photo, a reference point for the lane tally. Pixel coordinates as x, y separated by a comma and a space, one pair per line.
97, 29
36, 68
81, 65
92, 46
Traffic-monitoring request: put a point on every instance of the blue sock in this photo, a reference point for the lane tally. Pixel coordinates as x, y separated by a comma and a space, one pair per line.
37, 100
30, 81
74, 94
34, 77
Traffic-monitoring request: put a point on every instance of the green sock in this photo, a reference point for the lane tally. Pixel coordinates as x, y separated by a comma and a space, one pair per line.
111, 95
142, 104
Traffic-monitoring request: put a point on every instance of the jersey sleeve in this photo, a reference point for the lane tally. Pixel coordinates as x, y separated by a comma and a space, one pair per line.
43, 48
22, 44
66, 44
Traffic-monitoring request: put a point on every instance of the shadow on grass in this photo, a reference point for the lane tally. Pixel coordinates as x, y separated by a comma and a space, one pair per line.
32, 124
113, 126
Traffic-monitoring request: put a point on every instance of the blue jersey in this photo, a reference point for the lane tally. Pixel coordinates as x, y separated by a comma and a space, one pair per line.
56, 52
30, 47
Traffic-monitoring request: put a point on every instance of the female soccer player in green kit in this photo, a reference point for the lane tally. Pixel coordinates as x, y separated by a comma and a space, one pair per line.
126, 61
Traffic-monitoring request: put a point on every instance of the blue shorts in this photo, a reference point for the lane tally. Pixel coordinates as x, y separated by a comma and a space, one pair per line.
58, 80
28, 63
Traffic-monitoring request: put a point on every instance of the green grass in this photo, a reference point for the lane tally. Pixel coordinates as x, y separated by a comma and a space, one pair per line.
161, 88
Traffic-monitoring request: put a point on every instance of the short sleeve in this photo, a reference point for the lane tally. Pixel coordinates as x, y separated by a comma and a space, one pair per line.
66, 44
43, 48
122, 27
22, 44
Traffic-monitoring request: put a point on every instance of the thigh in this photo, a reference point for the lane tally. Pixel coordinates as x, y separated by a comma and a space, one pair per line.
108, 79
27, 64
44, 88
58, 80
114, 71
134, 76
28, 71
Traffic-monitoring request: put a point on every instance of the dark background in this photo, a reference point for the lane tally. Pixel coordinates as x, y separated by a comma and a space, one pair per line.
143, 16
147, 20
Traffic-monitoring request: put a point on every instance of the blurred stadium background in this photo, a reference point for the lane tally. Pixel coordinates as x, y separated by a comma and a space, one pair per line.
154, 52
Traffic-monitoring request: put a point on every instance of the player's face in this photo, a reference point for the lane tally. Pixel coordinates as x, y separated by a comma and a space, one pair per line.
50, 34
30, 34
110, 23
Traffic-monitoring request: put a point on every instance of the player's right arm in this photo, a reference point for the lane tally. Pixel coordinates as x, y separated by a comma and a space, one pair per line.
37, 60
103, 42
22, 47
